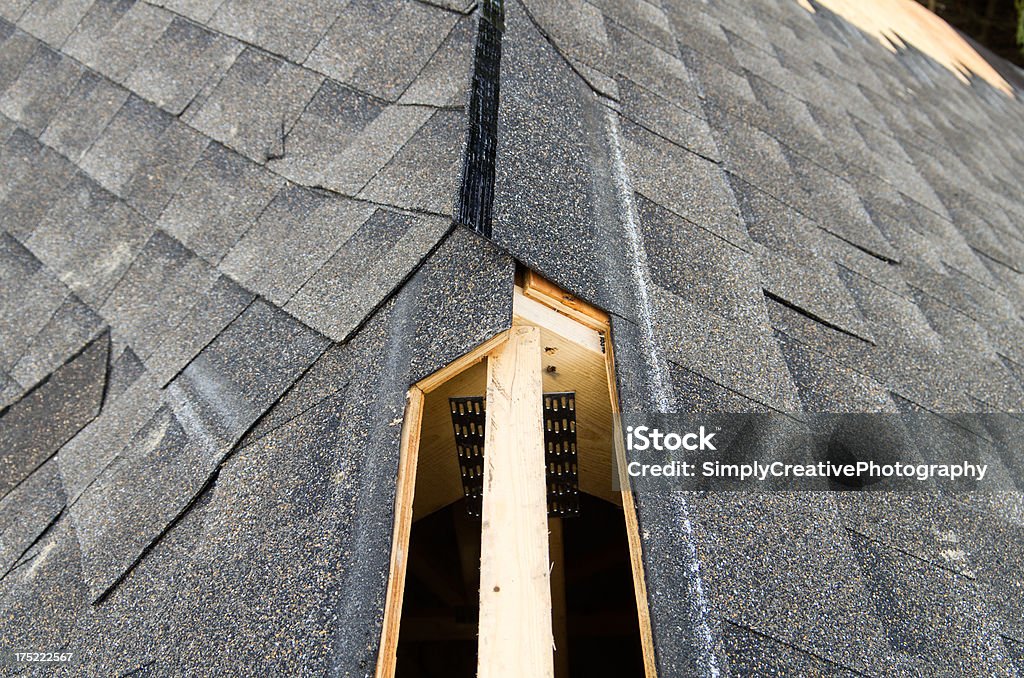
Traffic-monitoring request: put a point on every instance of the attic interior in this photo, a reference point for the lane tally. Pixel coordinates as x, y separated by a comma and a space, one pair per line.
439, 616
595, 621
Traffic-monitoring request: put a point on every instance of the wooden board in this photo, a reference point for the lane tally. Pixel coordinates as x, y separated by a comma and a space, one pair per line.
569, 367
400, 536
546, 292
573, 360
549, 350
461, 364
592, 376
438, 476
636, 556
515, 589
532, 312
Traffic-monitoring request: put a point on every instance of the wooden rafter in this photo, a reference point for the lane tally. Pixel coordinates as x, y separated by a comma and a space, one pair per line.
408, 455
515, 588
643, 609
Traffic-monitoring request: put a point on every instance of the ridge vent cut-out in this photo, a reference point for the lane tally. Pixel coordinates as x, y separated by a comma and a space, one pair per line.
560, 451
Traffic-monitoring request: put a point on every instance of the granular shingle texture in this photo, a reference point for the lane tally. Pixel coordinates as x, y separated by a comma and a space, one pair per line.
227, 251
823, 225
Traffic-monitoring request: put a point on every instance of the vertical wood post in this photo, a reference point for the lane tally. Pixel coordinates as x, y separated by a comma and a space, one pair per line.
515, 590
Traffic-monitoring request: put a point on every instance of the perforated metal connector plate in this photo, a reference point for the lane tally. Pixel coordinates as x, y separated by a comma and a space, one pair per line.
468, 422
560, 454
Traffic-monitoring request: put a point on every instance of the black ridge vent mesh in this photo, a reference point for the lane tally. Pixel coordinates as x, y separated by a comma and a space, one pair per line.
476, 193
560, 454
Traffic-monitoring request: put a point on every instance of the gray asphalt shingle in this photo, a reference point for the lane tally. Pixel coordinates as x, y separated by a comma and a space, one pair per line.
423, 175
380, 255
72, 324
52, 21
89, 238
16, 48
184, 59
27, 511
334, 119
256, 103
379, 47
35, 180
222, 196
131, 137
29, 295
83, 116
35, 427
254, 196
40, 89
288, 29
297, 233
115, 34
205, 410
163, 282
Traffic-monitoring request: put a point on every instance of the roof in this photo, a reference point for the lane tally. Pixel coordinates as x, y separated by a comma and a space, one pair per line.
229, 246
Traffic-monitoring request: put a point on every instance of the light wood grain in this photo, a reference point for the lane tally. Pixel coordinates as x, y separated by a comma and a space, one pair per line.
404, 492
527, 311
546, 292
439, 482
636, 556
515, 590
460, 364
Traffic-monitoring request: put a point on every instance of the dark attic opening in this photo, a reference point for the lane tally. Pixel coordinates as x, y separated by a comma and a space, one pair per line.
513, 553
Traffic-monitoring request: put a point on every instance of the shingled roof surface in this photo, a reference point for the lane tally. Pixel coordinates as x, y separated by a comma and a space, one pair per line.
228, 248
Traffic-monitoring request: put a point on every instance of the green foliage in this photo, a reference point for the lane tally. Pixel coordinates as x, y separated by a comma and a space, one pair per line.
1020, 25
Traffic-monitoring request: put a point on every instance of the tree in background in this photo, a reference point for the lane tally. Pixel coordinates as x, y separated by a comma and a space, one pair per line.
1020, 25
996, 24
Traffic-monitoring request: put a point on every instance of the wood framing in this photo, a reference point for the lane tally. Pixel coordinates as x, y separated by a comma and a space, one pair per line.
539, 289
439, 480
527, 311
898, 23
543, 293
408, 456
429, 383
515, 588
636, 558
556, 343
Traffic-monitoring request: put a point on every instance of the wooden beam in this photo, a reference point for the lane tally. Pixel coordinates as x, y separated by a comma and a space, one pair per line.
428, 384
406, 485
917, 26
527, 311
438, 480
636, 556
540, 289
515, 590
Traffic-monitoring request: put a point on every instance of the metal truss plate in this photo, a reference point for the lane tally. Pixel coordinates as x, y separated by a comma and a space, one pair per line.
560, 454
